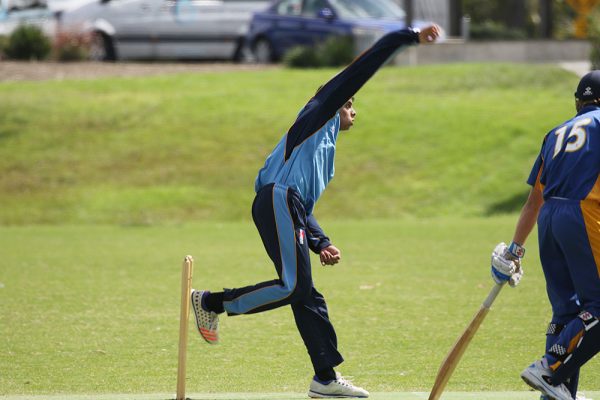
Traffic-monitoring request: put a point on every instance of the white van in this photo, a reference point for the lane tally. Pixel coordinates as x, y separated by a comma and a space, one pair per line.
164, 29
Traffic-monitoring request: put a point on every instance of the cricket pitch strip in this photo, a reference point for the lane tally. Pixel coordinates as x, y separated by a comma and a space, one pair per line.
529, 395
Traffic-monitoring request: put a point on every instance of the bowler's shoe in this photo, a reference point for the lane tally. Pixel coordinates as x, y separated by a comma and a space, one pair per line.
207, 321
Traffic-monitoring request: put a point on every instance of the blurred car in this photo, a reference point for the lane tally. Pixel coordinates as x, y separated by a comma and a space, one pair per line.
22, 4
164, 29
14, 13
289, 23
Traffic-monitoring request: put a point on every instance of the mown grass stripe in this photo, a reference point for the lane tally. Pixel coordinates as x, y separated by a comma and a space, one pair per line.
529, 395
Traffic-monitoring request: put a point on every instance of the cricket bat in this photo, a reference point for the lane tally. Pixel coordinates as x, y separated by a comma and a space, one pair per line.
461, 345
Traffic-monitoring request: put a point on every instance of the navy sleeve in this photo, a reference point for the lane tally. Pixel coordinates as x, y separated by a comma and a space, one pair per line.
537, 166
535, 171
317, 240
335, 93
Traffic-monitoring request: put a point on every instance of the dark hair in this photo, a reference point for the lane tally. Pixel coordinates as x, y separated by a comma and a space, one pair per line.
584, 103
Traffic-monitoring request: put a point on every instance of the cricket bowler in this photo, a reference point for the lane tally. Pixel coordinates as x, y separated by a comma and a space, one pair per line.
287, 188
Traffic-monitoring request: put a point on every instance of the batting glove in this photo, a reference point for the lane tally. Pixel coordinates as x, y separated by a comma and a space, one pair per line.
515, 279
515, 252
506, 264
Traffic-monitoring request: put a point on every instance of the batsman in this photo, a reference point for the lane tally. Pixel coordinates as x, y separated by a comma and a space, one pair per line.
565, 201
287, 189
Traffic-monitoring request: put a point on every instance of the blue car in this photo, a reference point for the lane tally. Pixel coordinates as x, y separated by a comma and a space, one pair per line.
289, 23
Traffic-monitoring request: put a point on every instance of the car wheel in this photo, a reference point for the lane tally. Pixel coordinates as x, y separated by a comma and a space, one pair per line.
101, 48
263, 51
242, 53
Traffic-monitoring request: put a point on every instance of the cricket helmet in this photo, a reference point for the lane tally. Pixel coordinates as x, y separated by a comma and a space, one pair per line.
589, 87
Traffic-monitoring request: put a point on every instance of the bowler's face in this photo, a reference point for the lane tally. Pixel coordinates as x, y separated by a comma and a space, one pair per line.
347, 115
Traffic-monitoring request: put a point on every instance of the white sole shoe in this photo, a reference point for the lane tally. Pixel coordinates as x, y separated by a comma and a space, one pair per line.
338, 388
536, 376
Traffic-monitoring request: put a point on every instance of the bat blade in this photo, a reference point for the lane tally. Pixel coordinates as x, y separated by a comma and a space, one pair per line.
455, 354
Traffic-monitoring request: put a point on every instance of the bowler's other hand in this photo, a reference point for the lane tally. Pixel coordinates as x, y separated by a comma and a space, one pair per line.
330, 255
430, 34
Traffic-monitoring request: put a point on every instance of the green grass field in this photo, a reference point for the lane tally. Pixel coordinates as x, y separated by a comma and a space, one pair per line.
95, 309
105, 185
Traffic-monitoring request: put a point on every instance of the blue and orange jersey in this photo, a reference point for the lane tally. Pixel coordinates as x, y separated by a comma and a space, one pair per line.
304, 157
568, 165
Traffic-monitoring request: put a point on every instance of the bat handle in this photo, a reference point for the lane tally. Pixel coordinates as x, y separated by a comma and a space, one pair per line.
487, 303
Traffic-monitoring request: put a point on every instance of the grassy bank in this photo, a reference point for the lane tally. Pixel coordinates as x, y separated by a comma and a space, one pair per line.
435, 140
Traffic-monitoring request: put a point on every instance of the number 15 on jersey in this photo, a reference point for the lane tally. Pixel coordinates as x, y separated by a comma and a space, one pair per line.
575, 139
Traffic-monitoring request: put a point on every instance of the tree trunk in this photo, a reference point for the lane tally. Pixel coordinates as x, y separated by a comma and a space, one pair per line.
456, 15
546, 19
514, 13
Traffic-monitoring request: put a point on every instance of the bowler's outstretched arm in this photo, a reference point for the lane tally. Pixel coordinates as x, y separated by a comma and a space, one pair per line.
335, 93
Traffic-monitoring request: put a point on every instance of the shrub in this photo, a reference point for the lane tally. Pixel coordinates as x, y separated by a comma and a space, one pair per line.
27, 42
490, 30
302, 57
71, 47
334, 52
337, 51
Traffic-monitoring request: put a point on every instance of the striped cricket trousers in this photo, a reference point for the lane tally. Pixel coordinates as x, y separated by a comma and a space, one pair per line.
280, 218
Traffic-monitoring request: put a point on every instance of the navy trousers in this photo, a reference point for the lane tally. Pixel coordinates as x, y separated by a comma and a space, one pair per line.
280, 218
569, 242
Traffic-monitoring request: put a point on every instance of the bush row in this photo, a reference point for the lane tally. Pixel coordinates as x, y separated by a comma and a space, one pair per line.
336, 51
28, 42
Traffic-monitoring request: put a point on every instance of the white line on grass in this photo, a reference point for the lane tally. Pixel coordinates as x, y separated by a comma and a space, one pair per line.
290, 396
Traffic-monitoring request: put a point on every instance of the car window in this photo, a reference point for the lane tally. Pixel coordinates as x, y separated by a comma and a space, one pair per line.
367, 9
289, 7
312, 7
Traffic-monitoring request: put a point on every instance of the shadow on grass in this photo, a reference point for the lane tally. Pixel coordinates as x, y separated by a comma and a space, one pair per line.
8, 133
511, 205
